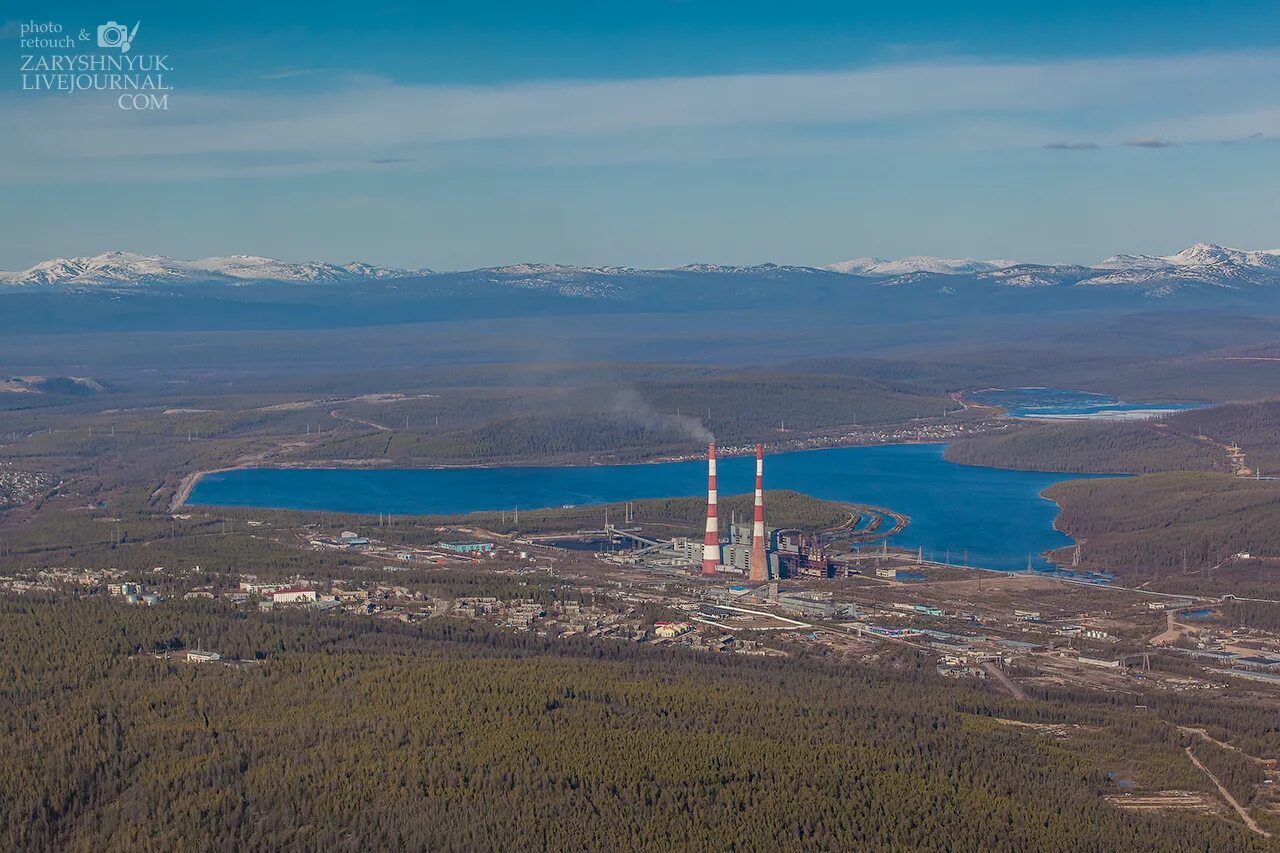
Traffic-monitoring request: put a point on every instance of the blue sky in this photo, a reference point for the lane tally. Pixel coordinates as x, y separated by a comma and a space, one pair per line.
455, 135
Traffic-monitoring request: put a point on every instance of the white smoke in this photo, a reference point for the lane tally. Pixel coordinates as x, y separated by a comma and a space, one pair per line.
631, 404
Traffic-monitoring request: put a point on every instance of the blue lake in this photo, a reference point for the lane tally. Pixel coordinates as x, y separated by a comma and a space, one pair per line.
1067, 404
997, 516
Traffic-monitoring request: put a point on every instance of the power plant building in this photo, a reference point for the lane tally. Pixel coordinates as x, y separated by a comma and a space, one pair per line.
752, 551
738, 553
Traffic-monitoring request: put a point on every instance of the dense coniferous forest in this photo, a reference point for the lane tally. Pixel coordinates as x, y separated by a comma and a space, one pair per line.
1089, 447
1161, 523
355, 734
1238, 773
639, 421
1255, 427
1252, 614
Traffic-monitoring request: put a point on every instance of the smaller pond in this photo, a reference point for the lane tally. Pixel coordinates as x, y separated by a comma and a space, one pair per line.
1065, 404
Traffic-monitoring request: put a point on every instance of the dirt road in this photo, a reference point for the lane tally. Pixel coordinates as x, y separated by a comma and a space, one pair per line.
999, 675
1226, 795
1172, 633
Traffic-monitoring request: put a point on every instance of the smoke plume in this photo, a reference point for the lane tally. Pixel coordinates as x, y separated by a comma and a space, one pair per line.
630, 404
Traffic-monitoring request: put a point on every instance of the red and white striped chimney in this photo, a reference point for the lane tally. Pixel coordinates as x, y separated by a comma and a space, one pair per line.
711, 544
759, 560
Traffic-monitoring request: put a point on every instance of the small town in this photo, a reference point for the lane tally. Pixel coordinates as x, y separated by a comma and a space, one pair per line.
1016, 628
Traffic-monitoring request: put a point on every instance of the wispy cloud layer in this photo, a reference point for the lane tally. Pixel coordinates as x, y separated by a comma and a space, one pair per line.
354, 124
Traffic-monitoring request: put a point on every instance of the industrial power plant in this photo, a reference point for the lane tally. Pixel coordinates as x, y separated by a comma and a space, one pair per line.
745, 551
716, 556
760, 553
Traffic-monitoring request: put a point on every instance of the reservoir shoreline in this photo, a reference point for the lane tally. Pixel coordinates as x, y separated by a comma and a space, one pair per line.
188, 484
997, 517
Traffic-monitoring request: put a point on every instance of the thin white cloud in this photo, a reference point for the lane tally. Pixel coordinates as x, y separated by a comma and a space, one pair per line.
955, 104
1215, 125
295, 73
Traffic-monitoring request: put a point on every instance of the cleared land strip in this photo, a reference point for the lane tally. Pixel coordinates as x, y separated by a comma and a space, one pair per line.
1009, 684
1226, 795
354, 420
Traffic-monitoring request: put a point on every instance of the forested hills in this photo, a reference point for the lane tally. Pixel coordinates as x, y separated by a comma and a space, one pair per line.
352, 734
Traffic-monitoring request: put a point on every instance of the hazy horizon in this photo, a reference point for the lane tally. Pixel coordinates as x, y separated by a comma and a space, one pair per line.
337, 261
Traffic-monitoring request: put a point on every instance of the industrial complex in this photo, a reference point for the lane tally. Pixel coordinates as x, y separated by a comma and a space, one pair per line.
755, 551
741, 551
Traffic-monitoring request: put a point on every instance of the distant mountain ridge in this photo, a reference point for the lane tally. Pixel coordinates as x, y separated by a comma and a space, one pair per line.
879, 268
1204, 265
128, 268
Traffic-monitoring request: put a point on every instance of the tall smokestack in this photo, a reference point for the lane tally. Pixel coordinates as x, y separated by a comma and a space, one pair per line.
759, 561
711, 544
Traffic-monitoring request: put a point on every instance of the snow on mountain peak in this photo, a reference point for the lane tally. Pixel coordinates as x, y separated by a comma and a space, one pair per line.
1200, 265
130, 268
1131, 262
917, 264
1206, 253
1201, 254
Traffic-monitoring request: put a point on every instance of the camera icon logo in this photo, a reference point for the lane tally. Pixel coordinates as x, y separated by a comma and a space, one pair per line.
112, 34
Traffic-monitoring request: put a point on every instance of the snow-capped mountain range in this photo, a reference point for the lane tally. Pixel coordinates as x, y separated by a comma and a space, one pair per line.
1204, 264
127, 268
1201, 265
879, 268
